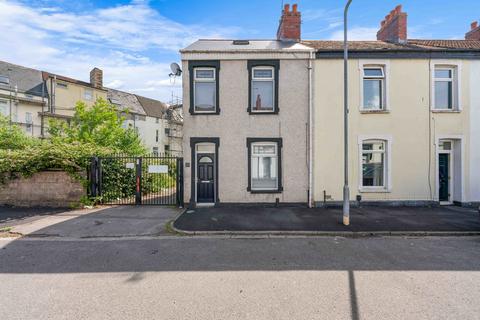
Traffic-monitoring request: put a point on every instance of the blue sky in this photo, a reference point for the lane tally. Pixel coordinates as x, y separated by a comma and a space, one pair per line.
135, 41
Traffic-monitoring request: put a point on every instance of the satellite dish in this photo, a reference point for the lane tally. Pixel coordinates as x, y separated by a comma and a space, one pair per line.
176, 70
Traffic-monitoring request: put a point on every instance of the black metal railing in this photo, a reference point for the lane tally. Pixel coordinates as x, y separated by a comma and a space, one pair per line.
147, 180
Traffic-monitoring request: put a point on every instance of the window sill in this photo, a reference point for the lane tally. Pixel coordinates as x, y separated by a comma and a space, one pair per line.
265, 191
274, 112
374, 190
445, 111
365, 111
205, 113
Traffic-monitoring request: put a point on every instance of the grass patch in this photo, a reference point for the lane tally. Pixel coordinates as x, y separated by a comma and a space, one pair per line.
6, 229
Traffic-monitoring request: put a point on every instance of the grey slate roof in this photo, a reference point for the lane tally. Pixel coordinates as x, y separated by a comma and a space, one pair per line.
226, 45
125, 100
27, 80
153, 108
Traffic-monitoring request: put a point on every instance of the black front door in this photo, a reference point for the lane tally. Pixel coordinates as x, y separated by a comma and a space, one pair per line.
205, 179
443, 176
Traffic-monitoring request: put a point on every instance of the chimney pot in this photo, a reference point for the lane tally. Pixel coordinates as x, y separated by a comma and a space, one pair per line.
474, 25
394, 27
289, 28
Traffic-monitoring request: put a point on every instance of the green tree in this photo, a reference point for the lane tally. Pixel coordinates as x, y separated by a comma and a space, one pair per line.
100, 125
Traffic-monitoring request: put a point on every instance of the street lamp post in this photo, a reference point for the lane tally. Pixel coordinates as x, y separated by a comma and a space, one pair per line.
346, 191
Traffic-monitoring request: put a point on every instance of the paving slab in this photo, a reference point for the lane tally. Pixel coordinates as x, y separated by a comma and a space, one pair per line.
244, 219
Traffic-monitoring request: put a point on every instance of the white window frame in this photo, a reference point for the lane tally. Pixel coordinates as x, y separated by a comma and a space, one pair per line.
271, 79
387, 187
371, 64
4, 106
4, 79
28, 121
456, 66
85, 94
252, 156
211, 80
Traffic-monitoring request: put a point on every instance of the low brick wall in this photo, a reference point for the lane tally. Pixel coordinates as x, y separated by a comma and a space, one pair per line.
43, 189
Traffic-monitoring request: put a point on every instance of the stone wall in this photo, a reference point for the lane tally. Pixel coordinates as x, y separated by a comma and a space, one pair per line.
45, 189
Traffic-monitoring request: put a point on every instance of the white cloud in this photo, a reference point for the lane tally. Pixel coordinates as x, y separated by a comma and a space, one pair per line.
120, 40
356, 33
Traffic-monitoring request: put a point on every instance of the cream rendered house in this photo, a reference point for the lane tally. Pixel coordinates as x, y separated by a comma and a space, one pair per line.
414, 105
65, 92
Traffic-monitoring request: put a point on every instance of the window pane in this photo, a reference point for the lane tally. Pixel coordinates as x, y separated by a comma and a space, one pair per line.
88, 94
443, 74
263, 73
205, 96
372, 94
204, 159
445, 145
373, 146
264, 173
262, 95
3, 107
443, 95
373, 169
264, 149
377, 72
204, 74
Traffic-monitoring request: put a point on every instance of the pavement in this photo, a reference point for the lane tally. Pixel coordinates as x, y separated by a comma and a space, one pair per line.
238, 278
10, 216
449, 220
117, 221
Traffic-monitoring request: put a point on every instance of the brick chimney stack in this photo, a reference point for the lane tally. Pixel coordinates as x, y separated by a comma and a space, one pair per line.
96, 78
474, 33
290, 24
394, 27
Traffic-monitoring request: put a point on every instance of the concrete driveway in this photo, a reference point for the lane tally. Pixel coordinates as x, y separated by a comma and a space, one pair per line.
119, 221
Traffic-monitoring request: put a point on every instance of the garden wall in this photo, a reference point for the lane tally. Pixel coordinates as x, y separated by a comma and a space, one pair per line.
45, 189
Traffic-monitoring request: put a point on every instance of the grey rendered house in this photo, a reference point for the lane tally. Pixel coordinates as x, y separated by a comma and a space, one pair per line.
246, 116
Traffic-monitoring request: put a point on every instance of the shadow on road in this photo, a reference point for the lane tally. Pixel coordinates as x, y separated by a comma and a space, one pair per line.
219, 254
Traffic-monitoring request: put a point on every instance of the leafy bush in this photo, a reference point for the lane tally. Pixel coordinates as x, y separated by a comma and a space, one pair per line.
12, 137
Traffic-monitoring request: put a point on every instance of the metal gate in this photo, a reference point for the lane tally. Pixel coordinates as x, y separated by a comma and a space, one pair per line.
127, 180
